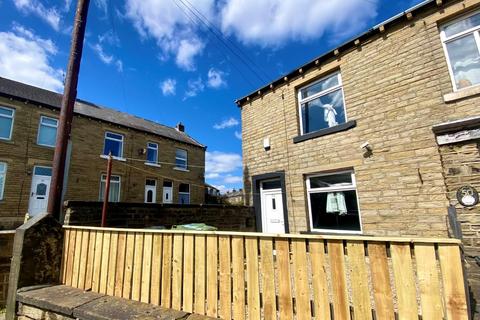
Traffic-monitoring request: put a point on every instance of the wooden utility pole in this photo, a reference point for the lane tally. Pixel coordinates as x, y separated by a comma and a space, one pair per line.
106, 194
66, 112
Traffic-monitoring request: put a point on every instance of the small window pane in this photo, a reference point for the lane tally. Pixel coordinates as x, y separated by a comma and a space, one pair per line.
114, 136
335, 210
465, 61
41, 189
267, 185
151, 182
43, 171
462, 25
6, 112
47, 132
3, 169
115, 147
152, 152
6, 123
324, 112
149, 196
184, 187
324, 84
114, 193
334, 180
181, 158
184, 198
49, 121
167, 184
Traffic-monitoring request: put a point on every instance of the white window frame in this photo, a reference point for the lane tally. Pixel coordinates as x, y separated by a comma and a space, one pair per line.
46, 125
153, 146
4, 174
351, 187
103, 179
114, 139
178, 158
188, 193
8, 117
476, 33
320, 94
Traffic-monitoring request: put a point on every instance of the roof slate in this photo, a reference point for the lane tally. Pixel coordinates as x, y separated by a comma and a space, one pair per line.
30, 93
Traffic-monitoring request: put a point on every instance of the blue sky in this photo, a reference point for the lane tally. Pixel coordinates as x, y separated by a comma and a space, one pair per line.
168, 60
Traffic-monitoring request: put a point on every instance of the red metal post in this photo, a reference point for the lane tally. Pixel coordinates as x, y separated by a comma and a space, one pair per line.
107, 190
66, 112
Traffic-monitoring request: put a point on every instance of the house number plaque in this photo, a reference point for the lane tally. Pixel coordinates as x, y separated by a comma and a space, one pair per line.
467, 196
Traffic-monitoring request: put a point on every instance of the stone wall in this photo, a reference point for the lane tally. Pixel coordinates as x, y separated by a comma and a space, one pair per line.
394, 86
6, 247
140, 215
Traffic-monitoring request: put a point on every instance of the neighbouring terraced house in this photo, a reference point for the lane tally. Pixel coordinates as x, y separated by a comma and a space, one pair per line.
152, 163
379, 136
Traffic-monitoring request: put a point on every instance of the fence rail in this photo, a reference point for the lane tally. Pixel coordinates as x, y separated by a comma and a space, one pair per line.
238, 276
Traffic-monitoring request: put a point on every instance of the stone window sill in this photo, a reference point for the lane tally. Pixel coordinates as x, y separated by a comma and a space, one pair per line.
152, 164
462, 94
181, 169
320, 133
114, 158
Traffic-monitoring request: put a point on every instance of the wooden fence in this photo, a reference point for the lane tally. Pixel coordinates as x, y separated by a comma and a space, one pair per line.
259, 276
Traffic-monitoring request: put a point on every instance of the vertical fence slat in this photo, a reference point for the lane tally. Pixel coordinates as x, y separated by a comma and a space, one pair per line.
382, 291
129, 257
90, 261
238, 270
97, 263
177, 269
285, 303
166, 295
199, 297
104, 266
428, 281
268, 279
253, 287
302, 293
66, 242
212, 275
453, 285
120, 264
359, 280
82, 271
112, 264
137, 267
341, 309
76, 258
404, 281
321, 302
224, 255
156, 269
146, 268
188, 272
71, 254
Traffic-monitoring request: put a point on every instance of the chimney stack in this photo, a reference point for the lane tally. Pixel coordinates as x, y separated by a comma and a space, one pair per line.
180, 127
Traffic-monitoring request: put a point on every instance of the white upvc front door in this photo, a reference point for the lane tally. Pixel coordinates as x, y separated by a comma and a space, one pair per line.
40, 190
273, 220
150, 194
167, 195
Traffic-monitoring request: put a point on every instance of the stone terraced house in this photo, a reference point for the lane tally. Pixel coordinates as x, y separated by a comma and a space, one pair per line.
152, 163
379, 136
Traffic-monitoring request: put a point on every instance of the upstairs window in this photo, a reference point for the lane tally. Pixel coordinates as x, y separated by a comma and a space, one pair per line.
114, 192
3, 173
461, 42
332, 202
113, 144
47, 132
181, 159
184, 193
6, 123
321, 104
152, 152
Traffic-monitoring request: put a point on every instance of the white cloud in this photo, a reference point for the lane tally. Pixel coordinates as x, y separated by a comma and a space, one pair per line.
110, 38
238, 135
168, 87
233, 179
194, 87
273, 22
217, 162
107, 58
216, 78
102, 5
68, 3
228, 123
26, 57
49, 15
171, 28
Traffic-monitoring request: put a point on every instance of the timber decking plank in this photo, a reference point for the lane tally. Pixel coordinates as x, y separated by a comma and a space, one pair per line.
82, 272
238, 273
253, 286
129, 257
120, 264
268, 279
146, 268
71, 256
66, 242
321, 302
404, 281
200, 254
105, 262
212, 275
341, 308
285, 303
97, 263
90, 261
302, 292
453, 282
188, 272
225, 278
177, 269
166, 295
428, 281
156, 269
362, 307
137, 267
382, 291
76, 258
112, 265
